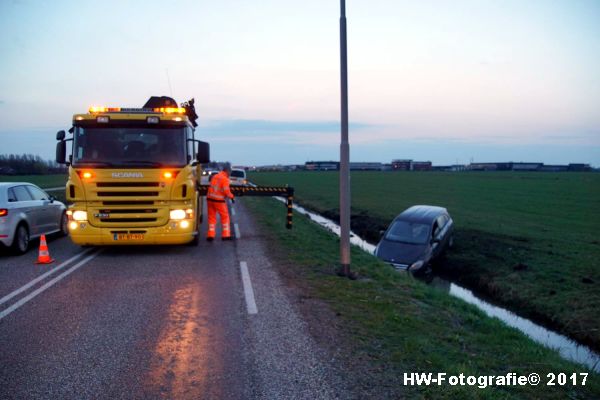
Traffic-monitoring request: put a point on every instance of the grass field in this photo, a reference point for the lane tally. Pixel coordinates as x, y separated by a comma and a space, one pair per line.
546, 221
43, 181
386, 323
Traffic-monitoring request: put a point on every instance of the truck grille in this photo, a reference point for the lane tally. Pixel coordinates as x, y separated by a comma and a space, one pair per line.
122, 220
126, 184
127, 203
127, 194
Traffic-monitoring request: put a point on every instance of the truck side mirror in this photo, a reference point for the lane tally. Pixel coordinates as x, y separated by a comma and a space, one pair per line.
203, 155
61, 151
60, 135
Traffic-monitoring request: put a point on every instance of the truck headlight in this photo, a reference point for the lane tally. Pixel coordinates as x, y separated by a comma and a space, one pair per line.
177, 214
79, 215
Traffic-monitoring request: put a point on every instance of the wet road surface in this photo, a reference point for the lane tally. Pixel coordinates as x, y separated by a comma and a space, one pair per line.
167, 322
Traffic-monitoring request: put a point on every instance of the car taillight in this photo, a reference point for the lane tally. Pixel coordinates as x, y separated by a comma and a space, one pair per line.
3, 212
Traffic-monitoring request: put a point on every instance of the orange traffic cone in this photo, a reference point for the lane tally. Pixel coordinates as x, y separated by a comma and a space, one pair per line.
43, 254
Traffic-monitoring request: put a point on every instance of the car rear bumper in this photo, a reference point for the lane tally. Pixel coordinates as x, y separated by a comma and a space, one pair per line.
171, 233
6, 235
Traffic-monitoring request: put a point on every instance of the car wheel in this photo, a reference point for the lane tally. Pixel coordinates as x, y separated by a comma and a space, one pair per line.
64, 224
21, 239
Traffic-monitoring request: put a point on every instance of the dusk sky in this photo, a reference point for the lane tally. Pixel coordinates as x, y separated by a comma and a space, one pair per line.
445, 81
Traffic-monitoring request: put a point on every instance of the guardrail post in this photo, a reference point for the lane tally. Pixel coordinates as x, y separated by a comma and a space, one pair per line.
290, 205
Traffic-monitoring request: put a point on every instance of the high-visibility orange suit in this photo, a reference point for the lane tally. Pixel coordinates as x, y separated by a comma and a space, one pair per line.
218, 191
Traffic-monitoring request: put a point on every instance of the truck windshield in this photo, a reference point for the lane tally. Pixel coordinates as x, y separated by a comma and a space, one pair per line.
129, 147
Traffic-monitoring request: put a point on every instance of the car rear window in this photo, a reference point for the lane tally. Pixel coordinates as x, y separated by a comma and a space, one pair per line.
238, 174
408, 232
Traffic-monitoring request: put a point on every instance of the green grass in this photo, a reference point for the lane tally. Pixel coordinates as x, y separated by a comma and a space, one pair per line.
43, 181
547, 221
393, 324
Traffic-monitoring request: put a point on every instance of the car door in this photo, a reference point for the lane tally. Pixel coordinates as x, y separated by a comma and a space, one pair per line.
443, 236
25, 204
47, 220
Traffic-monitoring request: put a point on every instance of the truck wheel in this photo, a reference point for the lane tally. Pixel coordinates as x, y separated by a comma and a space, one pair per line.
64, 225
21, 240
196, 238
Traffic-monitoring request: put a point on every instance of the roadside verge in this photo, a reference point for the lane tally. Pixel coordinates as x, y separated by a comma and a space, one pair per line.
387, 324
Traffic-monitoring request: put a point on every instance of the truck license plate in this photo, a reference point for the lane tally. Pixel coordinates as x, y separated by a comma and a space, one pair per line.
128, 236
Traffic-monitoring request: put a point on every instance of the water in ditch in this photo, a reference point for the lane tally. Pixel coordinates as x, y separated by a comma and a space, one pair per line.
567, 348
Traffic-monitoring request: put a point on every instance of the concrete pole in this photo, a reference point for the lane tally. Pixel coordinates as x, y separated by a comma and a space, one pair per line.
344, 152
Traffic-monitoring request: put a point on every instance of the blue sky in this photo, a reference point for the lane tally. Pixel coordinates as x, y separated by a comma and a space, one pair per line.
446, 81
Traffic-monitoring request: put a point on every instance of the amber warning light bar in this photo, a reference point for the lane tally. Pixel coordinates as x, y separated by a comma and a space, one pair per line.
161, 110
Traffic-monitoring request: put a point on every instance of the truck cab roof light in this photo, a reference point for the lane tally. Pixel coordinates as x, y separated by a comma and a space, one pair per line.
97, 109
170, 110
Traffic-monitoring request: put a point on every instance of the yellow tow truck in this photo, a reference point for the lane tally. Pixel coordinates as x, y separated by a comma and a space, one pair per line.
134, 174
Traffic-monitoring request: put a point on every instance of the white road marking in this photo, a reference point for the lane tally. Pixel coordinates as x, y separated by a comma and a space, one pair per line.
39, 278
232, 211
248, 291
33, 294
236, 229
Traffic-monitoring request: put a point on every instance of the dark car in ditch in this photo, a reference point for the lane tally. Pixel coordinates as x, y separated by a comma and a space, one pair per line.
416, 238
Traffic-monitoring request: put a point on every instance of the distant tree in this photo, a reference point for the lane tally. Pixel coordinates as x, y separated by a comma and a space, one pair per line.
28, 164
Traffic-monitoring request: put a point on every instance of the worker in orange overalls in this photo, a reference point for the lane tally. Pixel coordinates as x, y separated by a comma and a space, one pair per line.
218, 192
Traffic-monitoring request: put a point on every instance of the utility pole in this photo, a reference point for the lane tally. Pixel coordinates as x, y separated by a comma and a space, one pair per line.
344, 153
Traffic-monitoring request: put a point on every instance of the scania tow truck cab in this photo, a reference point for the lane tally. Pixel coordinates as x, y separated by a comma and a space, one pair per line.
134, 174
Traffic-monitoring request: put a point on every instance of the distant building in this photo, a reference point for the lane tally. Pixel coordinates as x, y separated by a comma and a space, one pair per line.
449, 168
401, 165
483, 167
554, 168
366, 166
526, 166
322, 165
579, 167
421, 166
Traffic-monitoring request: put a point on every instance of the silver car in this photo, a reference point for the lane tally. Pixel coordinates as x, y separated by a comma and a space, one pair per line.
27, 212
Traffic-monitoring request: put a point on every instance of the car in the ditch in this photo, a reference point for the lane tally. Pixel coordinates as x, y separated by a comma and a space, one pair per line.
416, 237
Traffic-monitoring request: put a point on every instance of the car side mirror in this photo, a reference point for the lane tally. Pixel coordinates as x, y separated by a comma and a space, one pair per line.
381, 233
203, 155
51, 198
60, 135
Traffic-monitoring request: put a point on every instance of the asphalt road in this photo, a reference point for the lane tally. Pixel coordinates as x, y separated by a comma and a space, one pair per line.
178, 322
